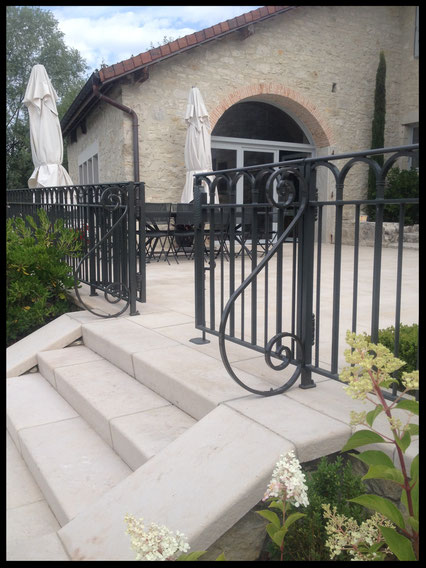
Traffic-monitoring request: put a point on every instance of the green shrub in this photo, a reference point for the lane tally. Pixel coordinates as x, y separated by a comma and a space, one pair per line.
37, 274
408, 347
408, 343
334, 483
402, 184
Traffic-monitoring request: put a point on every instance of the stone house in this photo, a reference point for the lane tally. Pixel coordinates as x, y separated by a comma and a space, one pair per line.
279, 81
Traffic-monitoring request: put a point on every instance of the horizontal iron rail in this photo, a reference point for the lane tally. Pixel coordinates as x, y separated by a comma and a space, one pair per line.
306, 250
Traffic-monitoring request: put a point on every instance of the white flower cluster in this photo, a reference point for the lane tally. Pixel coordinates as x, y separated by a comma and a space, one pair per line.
288, 481
344, 534
155, 543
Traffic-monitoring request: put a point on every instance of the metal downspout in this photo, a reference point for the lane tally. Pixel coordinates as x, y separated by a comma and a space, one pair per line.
135, 128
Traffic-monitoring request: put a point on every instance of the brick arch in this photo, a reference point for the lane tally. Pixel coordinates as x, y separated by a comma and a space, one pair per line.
288, 99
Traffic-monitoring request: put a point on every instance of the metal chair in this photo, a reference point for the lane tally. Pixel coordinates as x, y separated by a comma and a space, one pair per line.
159, 230
184, 230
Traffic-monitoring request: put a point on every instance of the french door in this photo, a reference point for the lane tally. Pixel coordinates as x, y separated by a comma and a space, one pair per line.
228, 153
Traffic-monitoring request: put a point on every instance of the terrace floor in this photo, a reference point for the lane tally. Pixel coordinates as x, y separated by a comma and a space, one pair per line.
169, 311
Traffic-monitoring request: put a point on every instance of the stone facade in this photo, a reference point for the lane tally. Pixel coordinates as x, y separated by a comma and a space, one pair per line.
317, 62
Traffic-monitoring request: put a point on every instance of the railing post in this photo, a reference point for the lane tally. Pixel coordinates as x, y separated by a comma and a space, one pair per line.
91, 219
131, 243
141, 217
200, 199
377, 262
305, 278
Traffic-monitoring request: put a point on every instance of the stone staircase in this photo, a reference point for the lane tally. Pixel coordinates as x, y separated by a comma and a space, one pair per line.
116, 418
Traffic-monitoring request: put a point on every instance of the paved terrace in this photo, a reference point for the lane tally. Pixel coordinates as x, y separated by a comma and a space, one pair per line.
315, 422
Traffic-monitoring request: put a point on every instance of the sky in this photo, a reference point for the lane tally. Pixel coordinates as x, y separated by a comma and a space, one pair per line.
109, 34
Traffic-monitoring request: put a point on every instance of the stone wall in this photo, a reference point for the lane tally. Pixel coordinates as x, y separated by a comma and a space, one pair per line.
390, 234
316, 62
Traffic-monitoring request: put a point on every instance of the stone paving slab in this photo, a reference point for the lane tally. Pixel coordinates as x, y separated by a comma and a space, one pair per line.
117, 340
330, 399
48, 361
71, 464
199, 484
138, 437
193, 381
32, 401
313, 433
99, 392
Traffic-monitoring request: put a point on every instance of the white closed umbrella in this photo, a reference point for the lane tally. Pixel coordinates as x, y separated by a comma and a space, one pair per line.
45, 132
198, 155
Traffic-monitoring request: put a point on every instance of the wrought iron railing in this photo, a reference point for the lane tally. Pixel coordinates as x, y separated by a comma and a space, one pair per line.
105, 218
263, 285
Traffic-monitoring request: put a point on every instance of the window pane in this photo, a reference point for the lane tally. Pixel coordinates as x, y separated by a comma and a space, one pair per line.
223, 160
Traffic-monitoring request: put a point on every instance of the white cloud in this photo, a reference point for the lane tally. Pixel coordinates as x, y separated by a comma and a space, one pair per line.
110, 34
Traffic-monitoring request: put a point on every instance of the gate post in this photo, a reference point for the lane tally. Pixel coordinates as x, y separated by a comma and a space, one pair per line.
306, 278
200, 199
131, 243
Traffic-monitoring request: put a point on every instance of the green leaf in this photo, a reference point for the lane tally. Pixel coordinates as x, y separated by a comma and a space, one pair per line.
403, 442
414, 523
414, 470
271, 530
277, 505
381, 505
384, 472
415, 499
278, 536
370, 417
221, 556
374, 457
362, 438
399, 544
192, 555
410, 405
292, 518
413, 429
271, 517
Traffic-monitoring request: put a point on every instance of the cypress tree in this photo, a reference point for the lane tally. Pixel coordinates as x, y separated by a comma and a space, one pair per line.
377, 129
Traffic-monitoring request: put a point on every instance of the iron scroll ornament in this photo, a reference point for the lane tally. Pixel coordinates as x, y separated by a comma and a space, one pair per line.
111, 200
287, 192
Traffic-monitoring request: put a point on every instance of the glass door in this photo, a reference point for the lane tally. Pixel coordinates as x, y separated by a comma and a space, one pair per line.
223, 159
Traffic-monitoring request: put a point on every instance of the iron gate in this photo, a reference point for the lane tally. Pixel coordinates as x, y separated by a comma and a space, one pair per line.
258, 279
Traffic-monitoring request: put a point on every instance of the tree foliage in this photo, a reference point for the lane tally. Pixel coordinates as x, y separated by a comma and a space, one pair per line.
33, 36
377, 128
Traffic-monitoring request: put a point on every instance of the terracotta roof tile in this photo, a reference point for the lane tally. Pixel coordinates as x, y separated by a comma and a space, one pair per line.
165, 49
146, 57
129, 64
155, 53
174, 46
137, 59
201, 36
189, 41
182, 42
209, 33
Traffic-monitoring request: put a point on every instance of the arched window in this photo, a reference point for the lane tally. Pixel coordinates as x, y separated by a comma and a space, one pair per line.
253, 133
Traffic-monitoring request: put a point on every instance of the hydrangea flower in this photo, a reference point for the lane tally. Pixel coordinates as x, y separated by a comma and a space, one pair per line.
369, 360
344, 534
288, 481
155, 543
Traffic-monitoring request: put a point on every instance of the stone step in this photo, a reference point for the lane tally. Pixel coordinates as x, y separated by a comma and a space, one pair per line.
135, 421
70, 462
201, 484
117, 340
196, 385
